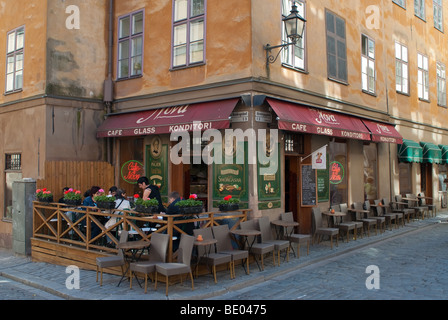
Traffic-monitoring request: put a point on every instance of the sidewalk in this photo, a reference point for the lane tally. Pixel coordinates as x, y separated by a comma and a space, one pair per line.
52, 278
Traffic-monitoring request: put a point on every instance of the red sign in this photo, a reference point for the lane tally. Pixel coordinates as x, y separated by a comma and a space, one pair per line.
131, 171
336, 172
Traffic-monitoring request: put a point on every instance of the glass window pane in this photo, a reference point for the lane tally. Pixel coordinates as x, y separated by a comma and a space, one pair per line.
342, 53
340, 27
419, 61
180, 10
136, 63
20, 39
364, 45
331, 45
332, 66
371, 68
330, 22
137, 46
342, 69
10, 65
10, 82
123, 68
404, 54
19, 80
397, 50
123, 50
180, 34
371, 49
425, 63
124, 28
180, 55
19, 62
364, 82
197, 7
11, 42
197, 30
137, 23
197, 52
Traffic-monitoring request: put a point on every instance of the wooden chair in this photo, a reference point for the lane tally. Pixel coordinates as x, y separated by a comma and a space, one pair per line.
423, 203
402, 206
359, 225
319, 230
224, 245
266, 236
157, 254
387, 219
389, 209
368, 222
413, 203
295, 237
212, 258
258, 248
112, 261
180, 268
344, 226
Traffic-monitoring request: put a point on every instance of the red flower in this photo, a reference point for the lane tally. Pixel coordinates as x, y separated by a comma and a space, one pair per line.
44, 189
136, 196
66, 192
227, 198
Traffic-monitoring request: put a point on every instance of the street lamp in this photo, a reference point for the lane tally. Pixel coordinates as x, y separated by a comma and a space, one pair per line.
294, 25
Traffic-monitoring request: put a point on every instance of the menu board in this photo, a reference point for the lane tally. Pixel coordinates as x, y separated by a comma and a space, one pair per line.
308, 188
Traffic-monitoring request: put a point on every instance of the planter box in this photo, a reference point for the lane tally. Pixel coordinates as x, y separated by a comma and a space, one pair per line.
229, 207
186, 210
106, 205
142, 209
73, 203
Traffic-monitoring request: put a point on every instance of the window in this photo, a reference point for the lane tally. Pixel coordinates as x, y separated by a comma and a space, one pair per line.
13, 167
423, 77
401, 68
438, 14
294, 143
188, 32
441, 84
370, 172
14, 59
419, 8
130, 45
338, 172
336, 47
405, 177
401, 3
368, 64
293, 55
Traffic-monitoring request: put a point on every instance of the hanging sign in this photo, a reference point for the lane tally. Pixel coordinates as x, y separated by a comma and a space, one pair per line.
131, 171
336, 172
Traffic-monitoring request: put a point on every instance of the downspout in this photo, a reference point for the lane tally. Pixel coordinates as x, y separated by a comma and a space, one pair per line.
108, 83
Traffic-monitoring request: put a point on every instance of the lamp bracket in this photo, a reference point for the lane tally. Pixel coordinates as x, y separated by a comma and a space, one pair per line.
270, 58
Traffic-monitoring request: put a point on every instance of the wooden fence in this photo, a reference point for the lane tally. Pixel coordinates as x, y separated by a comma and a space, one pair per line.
80, 175
63, 234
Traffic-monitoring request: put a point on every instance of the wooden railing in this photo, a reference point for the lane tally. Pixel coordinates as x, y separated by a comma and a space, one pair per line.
62, 224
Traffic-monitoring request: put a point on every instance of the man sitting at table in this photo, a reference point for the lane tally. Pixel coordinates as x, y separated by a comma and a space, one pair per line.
172, 209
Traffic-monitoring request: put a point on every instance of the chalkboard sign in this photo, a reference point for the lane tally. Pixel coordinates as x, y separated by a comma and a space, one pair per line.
308, 186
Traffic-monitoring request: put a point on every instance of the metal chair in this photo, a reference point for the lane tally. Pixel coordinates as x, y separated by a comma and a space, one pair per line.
368, 223
319, 230
388, 209
295, 237
423, 203
112, 261
180, 268
266, 236
224, 245
258, 248
344, 226
157, 254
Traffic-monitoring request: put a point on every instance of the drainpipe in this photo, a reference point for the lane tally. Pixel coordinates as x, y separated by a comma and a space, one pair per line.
108, 83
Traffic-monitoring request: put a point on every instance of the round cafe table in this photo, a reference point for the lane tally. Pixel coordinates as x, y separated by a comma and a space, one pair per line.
207, 244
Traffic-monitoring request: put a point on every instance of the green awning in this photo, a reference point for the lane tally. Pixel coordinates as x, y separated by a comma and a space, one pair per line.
431, 153
410, 151
444, 149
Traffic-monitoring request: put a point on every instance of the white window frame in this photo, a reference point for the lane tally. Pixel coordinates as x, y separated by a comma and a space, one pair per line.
441, 84
15, 45
368, 65
294, 55
438, 14
423, 76
401, 68
419, 9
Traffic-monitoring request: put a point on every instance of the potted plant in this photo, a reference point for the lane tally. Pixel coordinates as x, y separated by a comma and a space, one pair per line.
72, 197
44, 195
229, 204
190, 205
146, 206
105, 202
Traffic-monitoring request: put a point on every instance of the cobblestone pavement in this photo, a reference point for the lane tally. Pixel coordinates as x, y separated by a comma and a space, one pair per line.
411, 267
412, 262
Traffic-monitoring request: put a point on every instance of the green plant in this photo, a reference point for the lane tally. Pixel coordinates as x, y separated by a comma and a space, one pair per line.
190, 202
145, 203
72, 194
43, 194
104, 198
229, 200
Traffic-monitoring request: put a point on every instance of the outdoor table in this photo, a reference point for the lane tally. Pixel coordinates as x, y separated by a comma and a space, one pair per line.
281, 224
356, 211
134, 247
246, 233
336, 214
207, 244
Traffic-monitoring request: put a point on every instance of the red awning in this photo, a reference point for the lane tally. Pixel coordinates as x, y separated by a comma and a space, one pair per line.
300, 118
383, 132
199, 116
